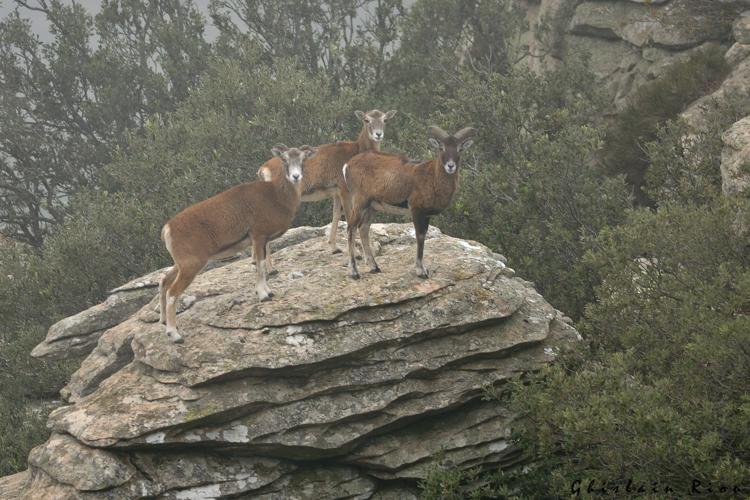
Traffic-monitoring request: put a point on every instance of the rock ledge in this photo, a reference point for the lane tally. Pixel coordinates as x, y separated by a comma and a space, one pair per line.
335, 389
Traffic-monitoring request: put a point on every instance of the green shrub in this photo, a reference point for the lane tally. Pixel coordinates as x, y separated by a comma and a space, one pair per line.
449, 483
660, 393
22, 426
27, 387
530, 188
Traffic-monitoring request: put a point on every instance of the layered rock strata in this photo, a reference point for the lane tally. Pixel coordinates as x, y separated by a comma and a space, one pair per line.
334, 389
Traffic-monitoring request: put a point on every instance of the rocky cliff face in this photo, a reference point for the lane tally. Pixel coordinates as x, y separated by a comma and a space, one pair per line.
634, 41
631, 41
335, 389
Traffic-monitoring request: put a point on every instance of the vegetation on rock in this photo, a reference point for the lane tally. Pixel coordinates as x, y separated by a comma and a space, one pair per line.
652, 106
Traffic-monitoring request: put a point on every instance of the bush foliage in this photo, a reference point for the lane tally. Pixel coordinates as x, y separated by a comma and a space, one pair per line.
660, 392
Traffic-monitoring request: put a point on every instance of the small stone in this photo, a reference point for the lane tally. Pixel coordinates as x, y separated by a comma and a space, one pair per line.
737, 53
735, 158
741, 28
187, 301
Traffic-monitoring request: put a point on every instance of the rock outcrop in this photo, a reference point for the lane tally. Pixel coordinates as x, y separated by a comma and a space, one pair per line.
631, 41
674, 25
79, 334
735, 172
334, 389
735, 158
732, 96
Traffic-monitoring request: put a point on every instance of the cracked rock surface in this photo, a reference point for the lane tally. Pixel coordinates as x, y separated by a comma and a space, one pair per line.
632, 42
334, 389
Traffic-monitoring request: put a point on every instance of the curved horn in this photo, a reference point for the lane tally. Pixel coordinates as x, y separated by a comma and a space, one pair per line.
465, 133
438, 133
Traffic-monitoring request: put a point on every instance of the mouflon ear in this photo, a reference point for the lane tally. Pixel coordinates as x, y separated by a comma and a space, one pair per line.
390, 114
360, 115
465, 145
435, 144
279, 149
309, 151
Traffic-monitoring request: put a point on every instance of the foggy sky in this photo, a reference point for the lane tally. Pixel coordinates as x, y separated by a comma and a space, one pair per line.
40, 26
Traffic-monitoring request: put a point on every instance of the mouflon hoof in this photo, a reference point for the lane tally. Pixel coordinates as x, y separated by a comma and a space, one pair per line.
175, 337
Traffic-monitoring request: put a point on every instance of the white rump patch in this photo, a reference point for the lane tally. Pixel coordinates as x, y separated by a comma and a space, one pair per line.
265, 174
167, 233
